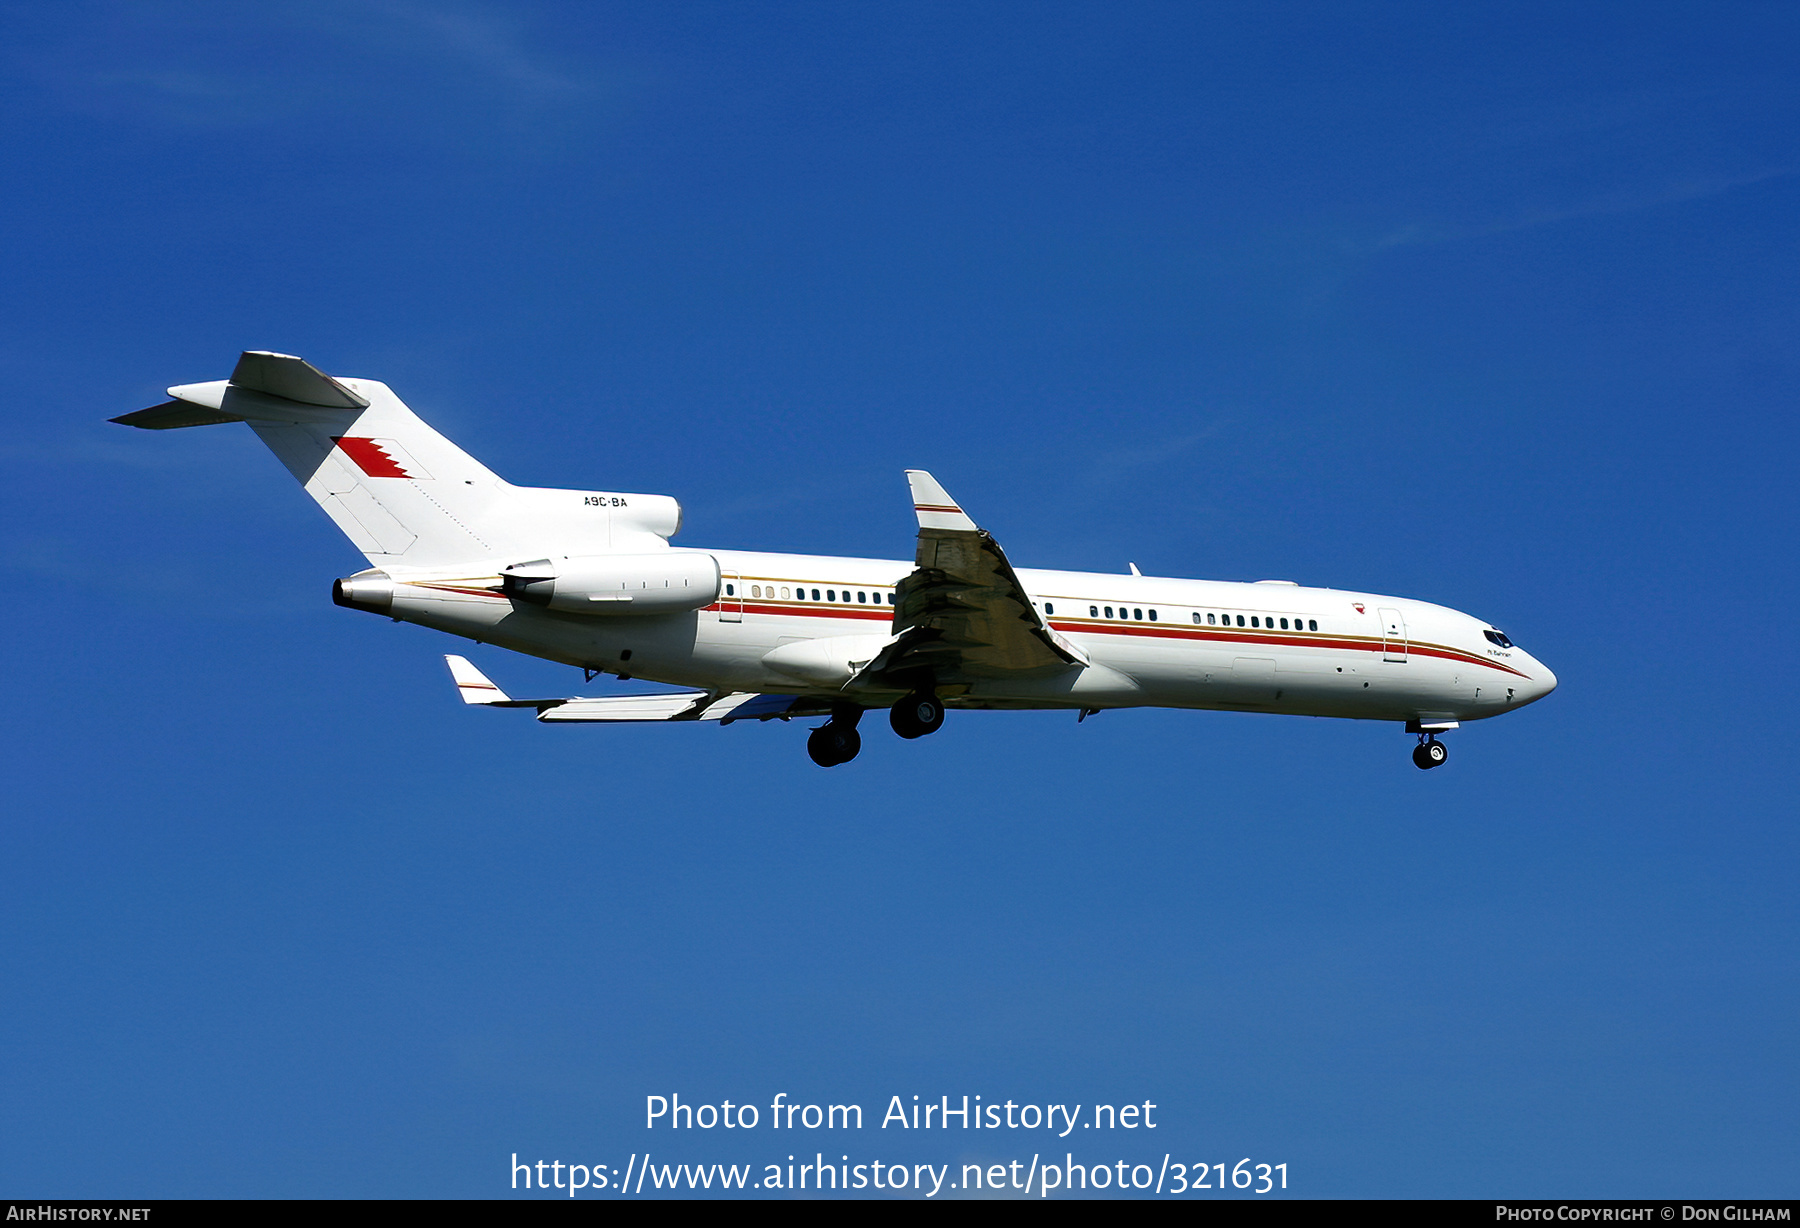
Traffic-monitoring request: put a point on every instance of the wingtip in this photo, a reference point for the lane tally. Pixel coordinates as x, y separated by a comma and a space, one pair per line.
473, 685
934, 505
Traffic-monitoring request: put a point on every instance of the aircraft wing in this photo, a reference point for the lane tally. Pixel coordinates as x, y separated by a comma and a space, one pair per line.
962, 612
476, 688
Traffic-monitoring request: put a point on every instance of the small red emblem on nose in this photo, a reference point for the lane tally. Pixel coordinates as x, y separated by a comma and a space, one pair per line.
1358, 605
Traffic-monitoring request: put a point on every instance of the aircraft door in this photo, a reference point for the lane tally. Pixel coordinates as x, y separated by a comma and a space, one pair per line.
731, 597
1393, 636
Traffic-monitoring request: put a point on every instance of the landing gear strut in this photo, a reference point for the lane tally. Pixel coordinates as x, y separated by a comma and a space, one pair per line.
917, 715
836, 741
1430, 752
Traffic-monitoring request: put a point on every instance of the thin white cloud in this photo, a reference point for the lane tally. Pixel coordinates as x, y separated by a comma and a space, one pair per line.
1624, 200
1107, 468
383, 62
480, 37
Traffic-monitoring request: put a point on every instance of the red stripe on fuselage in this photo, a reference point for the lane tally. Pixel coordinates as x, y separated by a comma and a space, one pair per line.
1252, 640
805, 611
1165, 631
459, 588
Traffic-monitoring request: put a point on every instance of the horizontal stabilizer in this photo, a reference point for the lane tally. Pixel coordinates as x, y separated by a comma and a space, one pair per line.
293, 379
173, 414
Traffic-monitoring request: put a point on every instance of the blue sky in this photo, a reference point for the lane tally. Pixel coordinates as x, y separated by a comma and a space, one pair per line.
1493, 307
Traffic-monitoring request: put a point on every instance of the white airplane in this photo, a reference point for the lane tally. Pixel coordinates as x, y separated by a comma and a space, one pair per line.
588, 578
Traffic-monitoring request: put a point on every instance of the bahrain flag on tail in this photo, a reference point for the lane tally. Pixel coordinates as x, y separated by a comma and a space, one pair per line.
380, 458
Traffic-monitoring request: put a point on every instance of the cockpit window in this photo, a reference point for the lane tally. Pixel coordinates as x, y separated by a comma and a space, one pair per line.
1497, 637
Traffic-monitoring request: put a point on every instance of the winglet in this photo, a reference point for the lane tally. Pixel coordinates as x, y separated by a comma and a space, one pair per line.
934, 506
472, 684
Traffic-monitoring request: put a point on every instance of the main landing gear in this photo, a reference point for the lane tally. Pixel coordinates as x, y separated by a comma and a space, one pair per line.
917, 715
1430, 752
836, 741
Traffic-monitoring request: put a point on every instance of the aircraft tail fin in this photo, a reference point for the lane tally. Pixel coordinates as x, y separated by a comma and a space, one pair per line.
409, 498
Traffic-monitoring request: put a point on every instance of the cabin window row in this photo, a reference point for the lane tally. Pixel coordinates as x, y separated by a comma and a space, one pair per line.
1131, 613
1127, 613
787, 593
1265, 621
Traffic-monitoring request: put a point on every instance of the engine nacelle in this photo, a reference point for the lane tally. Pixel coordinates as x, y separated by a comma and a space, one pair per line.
371, 590
669, 582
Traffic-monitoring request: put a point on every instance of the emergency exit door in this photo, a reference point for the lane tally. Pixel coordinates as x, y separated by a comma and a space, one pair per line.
1393, 636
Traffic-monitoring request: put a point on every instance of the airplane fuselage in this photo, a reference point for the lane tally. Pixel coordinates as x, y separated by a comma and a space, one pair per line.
1151, 641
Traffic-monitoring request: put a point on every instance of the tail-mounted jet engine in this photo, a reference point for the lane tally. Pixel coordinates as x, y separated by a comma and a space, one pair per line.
668, 582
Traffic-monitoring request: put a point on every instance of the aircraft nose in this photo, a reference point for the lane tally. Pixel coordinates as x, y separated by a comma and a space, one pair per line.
1542, 683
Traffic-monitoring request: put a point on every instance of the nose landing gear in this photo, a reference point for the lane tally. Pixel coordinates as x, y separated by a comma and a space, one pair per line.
917, 715
836, 741
1430, 752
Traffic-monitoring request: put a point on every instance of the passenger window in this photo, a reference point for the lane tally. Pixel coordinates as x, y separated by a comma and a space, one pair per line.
1312, 624
731, 590
1209, 620
862, 599
815, 594
1109, 611
1284, 625
1240, 618
1253, 620
890, 599
1152, 615
1048, 608
1138, 614
1093, 611
1196, 620
784, 592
